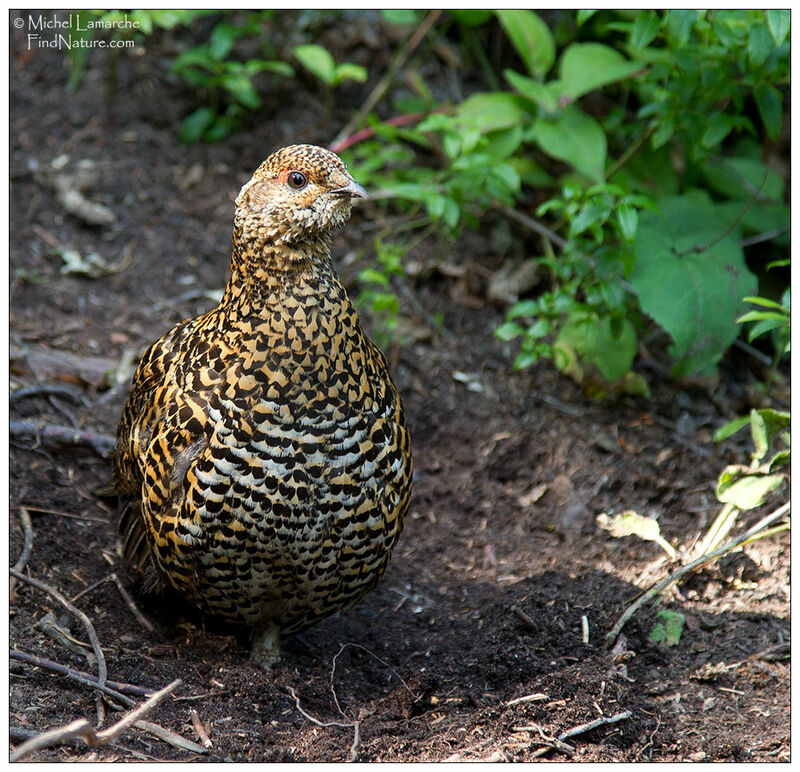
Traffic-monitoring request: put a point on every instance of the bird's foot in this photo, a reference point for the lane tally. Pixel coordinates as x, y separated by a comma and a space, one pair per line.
266, 646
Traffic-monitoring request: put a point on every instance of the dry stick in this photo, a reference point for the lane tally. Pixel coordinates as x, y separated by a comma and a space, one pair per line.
355, 725
87, 623
51, 434
143, 621
59, 513
383, 84
48, 390
27, 547
611, 636
75, 675
91, 587
78, 675
202, 735
534, 225
82, 728
172, 738
602, 721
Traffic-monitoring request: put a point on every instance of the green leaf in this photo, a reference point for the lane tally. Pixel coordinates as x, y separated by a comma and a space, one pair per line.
770, 108
610, 347
509, 330
644, 30
471, 18
779, 22
503, 143
575, 138
525, 359
581, 17
744, 179
588, 216
759, 44
766, 424
662, 134
765, 326
531, 39
680, 23
668, 628
585, 67
628, 220
691, 275
489, 111
348, 71
222, 39
540, 93
254, 66
194, 125
719, 126
746, 491
318, 61
759, 316
399, 15
631, 523
525, 307
240, 87
765, 302
730, 428
373, 276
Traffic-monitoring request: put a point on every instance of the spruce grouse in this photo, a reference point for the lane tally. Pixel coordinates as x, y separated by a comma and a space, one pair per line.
262, 461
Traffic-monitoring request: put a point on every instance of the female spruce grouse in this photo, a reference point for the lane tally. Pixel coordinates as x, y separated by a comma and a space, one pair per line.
262, 460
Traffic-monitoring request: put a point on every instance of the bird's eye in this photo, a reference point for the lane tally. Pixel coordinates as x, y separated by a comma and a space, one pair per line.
297, 180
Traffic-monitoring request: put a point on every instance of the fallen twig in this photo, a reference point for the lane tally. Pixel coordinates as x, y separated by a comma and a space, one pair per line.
27, 547
118, 687
551, 743
51, 434
659, 587
48, 390
82, 728
59, 513
87, 623
200, 729
172, 738
532, 224
538, 696
50, 627
76, 675
143, 621
354, 725
602, 721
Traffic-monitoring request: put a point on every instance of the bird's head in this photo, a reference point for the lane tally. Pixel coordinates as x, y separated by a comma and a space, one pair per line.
299, 194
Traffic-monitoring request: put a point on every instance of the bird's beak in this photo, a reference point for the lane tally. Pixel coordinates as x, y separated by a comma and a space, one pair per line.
352, 189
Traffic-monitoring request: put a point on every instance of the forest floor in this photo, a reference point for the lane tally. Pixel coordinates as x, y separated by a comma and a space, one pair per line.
484, 640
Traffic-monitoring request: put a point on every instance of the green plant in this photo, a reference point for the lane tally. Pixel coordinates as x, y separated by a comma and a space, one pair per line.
377, 298
319, 62
227, 83
656, 233
775, 319
739, 488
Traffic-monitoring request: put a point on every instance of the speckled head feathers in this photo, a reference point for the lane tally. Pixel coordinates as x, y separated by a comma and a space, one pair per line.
298, 194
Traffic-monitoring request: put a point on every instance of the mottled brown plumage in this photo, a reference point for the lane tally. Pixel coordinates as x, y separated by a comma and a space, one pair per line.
262, 457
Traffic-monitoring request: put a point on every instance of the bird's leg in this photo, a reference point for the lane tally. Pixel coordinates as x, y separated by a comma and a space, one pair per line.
266, 645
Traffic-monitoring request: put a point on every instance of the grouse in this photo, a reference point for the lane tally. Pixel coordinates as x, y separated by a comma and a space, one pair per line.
263, 463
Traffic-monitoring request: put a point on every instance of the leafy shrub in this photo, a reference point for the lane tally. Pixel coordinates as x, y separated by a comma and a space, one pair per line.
656, 233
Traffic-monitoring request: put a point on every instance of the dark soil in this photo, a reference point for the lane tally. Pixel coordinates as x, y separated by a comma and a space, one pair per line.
501, 558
